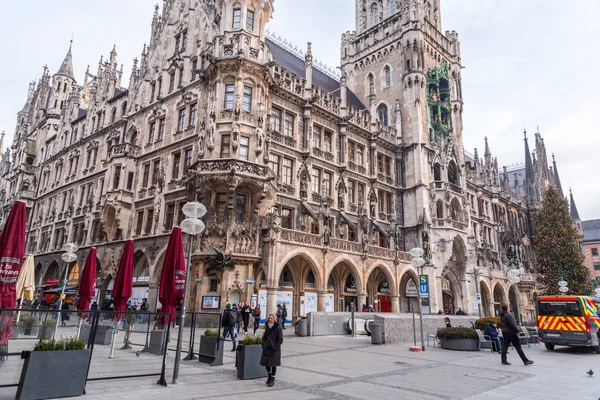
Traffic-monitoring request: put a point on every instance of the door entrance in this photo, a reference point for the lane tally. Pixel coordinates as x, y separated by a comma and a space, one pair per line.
385, 304
348, 300
448, 300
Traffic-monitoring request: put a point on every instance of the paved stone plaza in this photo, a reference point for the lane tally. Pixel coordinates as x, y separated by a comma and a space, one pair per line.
341, 367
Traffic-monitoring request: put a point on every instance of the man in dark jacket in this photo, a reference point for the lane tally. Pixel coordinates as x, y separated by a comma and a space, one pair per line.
228, 323
491, 330
510, 332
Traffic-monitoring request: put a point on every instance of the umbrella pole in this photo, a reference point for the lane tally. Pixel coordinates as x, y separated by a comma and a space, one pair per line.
20, 307
182, 323
79, 327
60, 302
112, 342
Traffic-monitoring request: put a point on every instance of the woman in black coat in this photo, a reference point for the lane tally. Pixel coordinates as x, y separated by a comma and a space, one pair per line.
271, 348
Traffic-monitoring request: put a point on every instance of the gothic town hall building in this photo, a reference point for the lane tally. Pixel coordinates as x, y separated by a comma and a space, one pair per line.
317, 184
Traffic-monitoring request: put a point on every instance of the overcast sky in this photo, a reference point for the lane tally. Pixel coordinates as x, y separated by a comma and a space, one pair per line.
527, 64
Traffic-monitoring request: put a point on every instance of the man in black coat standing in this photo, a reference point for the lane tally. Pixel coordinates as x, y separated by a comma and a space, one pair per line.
510, 332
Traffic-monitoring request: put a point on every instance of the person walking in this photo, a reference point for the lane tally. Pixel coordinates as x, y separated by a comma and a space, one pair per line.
271, 348
510, 332
284, 315
238, 317
64, 314
256, 315
246, 310
228, 322
491, 329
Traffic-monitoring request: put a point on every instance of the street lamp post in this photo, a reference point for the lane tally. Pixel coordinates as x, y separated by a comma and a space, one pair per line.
68, 257
418, 262
192, 225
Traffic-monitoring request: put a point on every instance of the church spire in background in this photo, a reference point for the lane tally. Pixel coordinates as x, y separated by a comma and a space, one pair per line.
556, 177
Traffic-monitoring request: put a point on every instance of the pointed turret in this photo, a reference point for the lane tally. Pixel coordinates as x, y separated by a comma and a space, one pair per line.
556, 177
573, 207
529, 175
66, 69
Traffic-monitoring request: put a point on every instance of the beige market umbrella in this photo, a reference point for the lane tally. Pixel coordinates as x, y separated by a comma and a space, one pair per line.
26, 282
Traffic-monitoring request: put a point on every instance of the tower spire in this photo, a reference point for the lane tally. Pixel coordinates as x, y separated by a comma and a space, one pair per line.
573, 207
66, 69
529, 176
556, 177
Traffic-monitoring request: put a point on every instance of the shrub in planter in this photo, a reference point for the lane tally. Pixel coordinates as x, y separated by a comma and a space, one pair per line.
47, 329
457, 333
482, 322
247, 358
29, 323
464, 339
54, 369
211, 351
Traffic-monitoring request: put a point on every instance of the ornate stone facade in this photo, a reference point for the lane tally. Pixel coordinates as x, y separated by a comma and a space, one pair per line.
316, 184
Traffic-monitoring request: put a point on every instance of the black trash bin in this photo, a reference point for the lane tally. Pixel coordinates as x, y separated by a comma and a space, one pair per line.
376, 337
302, 327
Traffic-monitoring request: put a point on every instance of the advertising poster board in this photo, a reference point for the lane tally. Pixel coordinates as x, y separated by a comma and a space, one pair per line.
262, 301
211, 302
310, 302
286, 298
329, 303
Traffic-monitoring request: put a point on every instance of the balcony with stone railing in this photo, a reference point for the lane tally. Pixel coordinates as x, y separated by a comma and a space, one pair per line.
123, 150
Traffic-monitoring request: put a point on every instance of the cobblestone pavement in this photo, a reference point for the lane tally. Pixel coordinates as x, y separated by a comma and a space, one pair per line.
342, 367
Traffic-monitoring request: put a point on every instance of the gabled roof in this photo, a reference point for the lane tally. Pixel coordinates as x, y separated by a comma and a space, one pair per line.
591, 230
295, 65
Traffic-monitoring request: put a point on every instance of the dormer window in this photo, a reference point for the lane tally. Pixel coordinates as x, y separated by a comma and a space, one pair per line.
237, 18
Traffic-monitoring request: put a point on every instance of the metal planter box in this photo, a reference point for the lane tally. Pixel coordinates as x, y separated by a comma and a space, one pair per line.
31, 330
460, 344
52, 374
208, 353
157, 342
103, 334
46, 331
247, 362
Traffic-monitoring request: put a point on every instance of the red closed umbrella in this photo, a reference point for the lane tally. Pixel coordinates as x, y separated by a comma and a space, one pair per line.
12, 250
124, 280
172, 279
86, 282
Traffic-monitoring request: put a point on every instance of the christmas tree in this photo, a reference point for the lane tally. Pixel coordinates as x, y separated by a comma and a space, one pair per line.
557, 248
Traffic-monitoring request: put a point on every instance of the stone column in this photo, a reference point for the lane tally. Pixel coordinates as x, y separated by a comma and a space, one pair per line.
272, 300
395, 304
321, 301
362, 299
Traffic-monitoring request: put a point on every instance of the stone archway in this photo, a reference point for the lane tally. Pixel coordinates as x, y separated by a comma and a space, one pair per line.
52, 274
347, 288
448, 295
513, 300
486, 299
409, 291
38, 274
141, 277
500, 298
298, 280
380, 289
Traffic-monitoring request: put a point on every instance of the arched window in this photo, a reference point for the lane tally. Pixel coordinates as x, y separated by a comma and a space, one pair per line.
330, 284
437, 172
439, 209
310, 280
123, 109
374, 15
387, 75
455, 210
113, 115
382, 113
371, 80
453, 173
286, 279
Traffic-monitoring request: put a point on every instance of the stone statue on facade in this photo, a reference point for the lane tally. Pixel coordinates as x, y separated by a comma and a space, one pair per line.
326, 234
235, 135
303, 186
